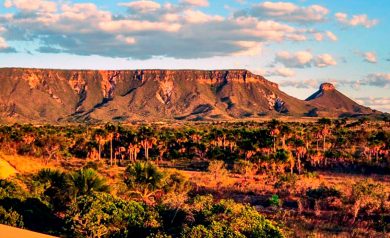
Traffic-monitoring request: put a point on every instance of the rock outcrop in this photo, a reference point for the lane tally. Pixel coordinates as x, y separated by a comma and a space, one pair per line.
43, 95
332, 103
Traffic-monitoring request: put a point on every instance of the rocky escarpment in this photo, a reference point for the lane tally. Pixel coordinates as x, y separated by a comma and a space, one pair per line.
124, 95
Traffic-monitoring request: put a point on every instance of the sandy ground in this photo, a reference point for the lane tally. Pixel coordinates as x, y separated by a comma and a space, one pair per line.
11, 232
6, 170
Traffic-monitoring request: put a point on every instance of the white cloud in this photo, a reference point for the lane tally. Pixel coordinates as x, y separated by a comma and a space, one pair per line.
29, 6
196, 17
379, 103
268, 30
126, 26
142, 6
321, 36
356, 20
324, 60
331, 36
3, 43
302, 59
318, 36
281, 72
377, 79
309, 83
370, 57
197, 3
286, 11
249, 48
146, 30
298, 59
127, 40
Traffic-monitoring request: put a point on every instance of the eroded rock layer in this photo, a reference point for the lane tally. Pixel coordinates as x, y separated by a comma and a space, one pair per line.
46, 95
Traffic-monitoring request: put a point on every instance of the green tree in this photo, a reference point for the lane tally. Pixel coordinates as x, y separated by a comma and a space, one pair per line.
103, 215
56, 187
145, 181
87, 181
367, 194
228, 219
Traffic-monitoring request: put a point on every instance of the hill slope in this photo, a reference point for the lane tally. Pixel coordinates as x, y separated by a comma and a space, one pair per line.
43, 95
333, 103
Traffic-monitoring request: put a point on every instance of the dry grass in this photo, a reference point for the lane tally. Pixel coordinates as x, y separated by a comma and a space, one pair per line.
6, 170
12, 232
255, 190
26, 164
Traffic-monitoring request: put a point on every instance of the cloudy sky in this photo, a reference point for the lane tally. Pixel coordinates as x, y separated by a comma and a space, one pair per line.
298, 44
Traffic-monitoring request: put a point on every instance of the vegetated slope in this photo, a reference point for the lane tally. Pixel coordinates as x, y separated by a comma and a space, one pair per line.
333, 103
44, 95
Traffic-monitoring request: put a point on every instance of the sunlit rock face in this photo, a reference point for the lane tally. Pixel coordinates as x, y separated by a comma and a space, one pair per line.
45, 95
327, 87
330, 102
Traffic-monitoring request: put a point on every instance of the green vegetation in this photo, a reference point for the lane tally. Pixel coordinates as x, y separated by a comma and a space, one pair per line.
242, 179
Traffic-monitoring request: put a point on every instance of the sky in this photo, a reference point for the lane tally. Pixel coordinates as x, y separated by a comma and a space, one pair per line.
298, 44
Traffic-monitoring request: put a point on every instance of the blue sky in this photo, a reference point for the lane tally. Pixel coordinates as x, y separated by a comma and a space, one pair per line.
298, 44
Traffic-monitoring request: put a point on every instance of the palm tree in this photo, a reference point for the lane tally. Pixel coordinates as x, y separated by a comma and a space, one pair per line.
145, 181
286, 133
100, 137
148, 144
56, 187
324, 133
274, 133
162, 148
86, 181
133, 150
110, 137
300, 153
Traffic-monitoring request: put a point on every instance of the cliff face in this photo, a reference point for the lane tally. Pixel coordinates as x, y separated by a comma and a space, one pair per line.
124, 95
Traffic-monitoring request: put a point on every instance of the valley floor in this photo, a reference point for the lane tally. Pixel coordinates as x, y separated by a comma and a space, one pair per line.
297, 219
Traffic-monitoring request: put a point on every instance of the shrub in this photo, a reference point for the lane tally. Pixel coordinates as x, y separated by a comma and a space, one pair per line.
11, 218
218, 171
145, 181
56, 188
245, 168
9, 189
228, 219
87, 181
274, 200
286, 181
103, 215
143, 174
321, 194
367, 194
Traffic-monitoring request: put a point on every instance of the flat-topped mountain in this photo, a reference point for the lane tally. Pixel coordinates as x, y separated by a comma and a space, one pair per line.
45, 95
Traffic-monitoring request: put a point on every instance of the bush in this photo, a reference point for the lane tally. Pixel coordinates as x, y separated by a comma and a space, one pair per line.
56, 188
228, 219
103, 215
245, 168
87, 181
322, 192
368, 195
286, 181
274, 200
320, 195
145, 181
218, 171
9, 189
10, 218
143, 174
